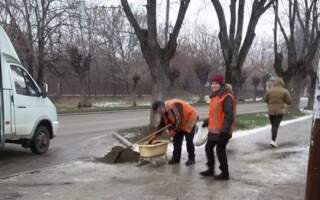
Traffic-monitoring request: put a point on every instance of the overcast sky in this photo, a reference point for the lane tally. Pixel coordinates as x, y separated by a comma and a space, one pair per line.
201, 12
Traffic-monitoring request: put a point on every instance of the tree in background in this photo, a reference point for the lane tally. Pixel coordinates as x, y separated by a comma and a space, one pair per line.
136, 78
301, 44
202, 70
158, 58
255, 83
173, 77
38, 20
81, 65
234, 47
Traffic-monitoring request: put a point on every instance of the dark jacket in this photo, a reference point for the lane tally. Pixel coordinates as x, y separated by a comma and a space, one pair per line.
228, 109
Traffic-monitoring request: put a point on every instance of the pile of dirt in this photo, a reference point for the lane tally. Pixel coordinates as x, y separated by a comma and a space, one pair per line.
119, 154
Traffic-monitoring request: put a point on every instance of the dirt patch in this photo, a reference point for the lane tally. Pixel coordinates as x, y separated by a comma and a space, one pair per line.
10, 196
42, 184
286, 154
119, 154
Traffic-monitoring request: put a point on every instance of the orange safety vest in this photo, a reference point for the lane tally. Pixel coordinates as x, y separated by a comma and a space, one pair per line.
216, 114
190, 115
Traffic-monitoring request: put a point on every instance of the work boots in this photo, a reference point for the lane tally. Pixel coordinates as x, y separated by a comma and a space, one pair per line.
190, 162
208, 172
173, 162
224, 174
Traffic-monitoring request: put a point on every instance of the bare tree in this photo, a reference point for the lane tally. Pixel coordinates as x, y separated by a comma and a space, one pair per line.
173, 76
255, 83
303, 18
136, 78
202, 70
157, 58
81, 65
234, 47
38, 19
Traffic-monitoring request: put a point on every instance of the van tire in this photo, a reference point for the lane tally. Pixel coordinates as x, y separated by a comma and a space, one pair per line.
41, 141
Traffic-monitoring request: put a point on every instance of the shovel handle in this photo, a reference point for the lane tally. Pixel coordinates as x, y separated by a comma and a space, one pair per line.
153, 134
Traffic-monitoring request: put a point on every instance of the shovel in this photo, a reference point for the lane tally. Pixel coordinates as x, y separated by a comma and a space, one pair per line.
128, 145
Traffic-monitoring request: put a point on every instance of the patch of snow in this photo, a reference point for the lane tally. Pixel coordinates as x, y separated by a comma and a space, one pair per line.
243, 133
248, 100
112, 104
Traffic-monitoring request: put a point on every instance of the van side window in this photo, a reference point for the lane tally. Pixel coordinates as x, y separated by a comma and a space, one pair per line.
23, 82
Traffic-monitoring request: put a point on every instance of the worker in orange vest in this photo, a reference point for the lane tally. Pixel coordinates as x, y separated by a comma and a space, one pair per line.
220, 125
183, 118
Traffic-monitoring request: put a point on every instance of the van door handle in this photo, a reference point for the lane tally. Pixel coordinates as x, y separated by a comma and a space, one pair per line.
22, 106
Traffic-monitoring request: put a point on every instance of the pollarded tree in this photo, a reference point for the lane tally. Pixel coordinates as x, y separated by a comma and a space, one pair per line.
202, 70
255, 83
302, 39
136, 79
81, 64
157, 57
234, 47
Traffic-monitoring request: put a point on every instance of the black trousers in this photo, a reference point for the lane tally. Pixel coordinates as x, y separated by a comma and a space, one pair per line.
221, 153
275, 121
177, 144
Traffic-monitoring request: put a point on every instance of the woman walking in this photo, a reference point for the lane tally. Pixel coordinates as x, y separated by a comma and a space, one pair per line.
277, 99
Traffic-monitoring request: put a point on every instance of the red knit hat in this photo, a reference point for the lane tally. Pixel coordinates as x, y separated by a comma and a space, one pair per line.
218, 78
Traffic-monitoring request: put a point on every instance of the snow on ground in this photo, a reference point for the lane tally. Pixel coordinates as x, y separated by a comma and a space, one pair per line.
243, 133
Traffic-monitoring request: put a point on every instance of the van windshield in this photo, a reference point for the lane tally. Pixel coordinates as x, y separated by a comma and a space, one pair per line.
23, 82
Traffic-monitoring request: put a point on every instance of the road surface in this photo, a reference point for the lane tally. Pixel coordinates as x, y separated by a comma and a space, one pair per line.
85, 136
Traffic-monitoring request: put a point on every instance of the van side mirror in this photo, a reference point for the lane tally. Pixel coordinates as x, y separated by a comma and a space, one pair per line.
44, 90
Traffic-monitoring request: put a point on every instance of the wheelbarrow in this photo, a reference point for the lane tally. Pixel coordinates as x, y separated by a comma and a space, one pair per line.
154, 153
146, 142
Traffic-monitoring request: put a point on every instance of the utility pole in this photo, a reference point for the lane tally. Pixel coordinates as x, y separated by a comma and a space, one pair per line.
166, 29
313, 175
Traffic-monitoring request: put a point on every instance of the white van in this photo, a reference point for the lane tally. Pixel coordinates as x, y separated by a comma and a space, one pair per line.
27, 116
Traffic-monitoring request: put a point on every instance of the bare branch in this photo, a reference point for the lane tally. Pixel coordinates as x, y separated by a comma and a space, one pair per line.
176, 29
133, 21
299, 16
232, 19
222, 25
284, 34
152, 22
240, 22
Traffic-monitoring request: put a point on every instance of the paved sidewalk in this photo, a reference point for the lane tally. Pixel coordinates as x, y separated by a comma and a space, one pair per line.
258, 172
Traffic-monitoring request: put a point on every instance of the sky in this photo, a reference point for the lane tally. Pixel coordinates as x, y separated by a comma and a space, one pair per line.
202, 13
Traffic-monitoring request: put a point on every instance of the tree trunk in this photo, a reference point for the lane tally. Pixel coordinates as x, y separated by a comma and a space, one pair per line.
40, 69
83, 92
59, 87
159, 86
312, 89
255, 94
296, 83
232, 76
134, 97
114, 85
157, 94
30, 61
201, 98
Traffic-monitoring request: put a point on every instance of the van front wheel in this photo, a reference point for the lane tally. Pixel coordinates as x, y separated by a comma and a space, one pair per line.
40, 141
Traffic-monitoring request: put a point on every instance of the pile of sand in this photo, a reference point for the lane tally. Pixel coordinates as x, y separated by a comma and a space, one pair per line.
119, 154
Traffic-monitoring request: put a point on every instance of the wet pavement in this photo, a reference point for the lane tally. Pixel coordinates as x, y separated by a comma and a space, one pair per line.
257, 172
83, 136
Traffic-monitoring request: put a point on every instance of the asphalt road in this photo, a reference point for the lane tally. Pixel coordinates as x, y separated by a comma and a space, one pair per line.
85, 136
257, 171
